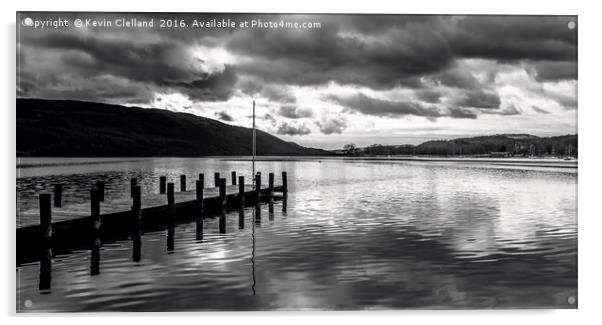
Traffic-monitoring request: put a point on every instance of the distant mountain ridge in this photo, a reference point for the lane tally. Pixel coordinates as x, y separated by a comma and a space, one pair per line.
509, 144
67, 128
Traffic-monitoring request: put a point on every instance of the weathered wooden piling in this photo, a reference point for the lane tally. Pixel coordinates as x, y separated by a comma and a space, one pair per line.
284, 183
233, 178
182, 183
199, 202
45, 216
58, 195
171, 199
258, 185
216, 179
100, 185
133, 183
162, 184
199, 196
271, 185
202, 178
136, 207
241, 191
95, 208
222, 192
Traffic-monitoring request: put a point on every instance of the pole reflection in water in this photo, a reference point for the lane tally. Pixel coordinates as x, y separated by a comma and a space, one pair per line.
199, 228
253, 249
95, 256
45, 269
284, 199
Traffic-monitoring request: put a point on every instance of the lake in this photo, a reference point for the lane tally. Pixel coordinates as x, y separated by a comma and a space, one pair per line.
352, 234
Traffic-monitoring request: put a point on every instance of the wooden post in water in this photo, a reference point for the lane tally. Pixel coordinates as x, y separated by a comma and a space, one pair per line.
100, 185
162, 184
216, 179
258, 186
133, 183
45, 216
222, 192
241, 191
136, 206
199, 202
233, 178
271, 184
202, 178
284, 184
199, 196
182, 183
95, 208
171, 200
58, 195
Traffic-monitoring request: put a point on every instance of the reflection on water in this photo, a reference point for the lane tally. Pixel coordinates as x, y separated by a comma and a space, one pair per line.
351, 235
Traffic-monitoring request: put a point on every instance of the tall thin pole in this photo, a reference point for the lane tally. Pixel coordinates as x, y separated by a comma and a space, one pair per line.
253, 174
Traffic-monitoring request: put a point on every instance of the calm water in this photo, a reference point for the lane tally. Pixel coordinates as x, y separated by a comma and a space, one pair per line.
353, 235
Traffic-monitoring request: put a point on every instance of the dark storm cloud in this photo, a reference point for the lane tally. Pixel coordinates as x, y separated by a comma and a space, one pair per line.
457, 112
428, 95
555, 70
380, 52
479, 99
293, 112
386, 108
224, 116
510, 110
380, 107
292, 129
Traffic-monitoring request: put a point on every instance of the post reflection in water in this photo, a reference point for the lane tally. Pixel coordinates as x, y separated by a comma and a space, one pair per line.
271, 209
257, 215
284, 199
170, 237
241, 218
95, 256
45, 269
222, 222
199, 228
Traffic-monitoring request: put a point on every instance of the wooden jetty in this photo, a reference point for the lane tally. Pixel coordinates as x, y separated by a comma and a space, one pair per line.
76, 224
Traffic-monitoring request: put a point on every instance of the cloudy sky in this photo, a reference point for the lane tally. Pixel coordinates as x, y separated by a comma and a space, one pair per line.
360, 79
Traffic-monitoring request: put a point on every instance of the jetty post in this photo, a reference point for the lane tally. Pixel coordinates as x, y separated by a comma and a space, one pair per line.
133, 183
222, 193
162, 184
136, 207
258, 186
58, 195
216, 179
45, 216
284, 184
233, 178
202, 178
182, 183
241, 191
95, 208
100, 185
271, 185
171, 201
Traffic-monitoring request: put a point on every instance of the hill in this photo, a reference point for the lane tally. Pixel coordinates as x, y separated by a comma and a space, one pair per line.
511, 144
66, 128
